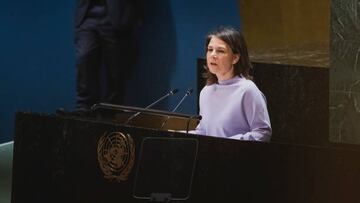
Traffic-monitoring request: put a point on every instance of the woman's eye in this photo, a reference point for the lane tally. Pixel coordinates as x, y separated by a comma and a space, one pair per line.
217, 51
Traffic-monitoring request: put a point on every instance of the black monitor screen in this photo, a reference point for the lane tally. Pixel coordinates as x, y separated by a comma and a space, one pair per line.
165, 169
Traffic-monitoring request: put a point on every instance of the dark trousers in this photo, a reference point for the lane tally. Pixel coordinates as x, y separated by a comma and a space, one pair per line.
104, 58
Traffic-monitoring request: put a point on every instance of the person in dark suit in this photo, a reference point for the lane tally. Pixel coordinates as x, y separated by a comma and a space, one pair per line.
105, 49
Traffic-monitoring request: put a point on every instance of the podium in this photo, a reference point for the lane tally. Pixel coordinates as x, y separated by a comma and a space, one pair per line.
68, 158
148, 118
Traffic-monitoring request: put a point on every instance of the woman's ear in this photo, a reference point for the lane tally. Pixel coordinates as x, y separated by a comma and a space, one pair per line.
236, 58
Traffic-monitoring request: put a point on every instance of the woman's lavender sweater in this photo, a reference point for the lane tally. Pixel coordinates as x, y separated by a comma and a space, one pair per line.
235, 109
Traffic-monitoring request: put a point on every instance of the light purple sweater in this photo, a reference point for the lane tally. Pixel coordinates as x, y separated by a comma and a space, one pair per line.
235, 109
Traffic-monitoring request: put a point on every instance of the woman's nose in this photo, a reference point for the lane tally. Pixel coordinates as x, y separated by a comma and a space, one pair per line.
213, 53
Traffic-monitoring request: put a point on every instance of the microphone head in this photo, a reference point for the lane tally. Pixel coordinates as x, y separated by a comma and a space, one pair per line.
174, 91
189, 91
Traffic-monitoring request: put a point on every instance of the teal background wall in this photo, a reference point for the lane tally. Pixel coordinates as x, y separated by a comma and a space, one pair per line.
38, 65
36, 59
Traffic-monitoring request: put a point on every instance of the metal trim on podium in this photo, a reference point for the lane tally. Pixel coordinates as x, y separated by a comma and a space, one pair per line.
144, 117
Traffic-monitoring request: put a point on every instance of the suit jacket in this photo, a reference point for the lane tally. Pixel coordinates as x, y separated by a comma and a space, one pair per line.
123, 13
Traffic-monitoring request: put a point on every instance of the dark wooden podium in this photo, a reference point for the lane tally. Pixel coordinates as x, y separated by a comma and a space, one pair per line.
66, 158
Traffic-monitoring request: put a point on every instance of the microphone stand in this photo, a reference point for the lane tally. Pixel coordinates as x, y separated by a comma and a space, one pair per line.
172, 92
188, 92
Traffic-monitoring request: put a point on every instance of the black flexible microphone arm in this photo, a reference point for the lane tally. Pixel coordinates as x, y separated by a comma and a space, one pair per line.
188, 92
172, 92
189, 120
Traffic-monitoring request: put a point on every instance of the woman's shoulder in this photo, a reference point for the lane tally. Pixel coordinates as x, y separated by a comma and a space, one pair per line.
251, 89
206, 88
247, 84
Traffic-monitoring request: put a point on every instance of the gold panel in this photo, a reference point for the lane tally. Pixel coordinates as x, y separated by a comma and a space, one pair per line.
287, 31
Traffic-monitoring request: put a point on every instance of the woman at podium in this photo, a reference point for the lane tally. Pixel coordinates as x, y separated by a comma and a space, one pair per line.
231, 105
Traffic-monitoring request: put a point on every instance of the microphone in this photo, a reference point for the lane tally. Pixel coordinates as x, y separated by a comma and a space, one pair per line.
188, 92
170, 93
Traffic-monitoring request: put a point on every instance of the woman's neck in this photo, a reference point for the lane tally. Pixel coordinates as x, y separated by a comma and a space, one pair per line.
225, 77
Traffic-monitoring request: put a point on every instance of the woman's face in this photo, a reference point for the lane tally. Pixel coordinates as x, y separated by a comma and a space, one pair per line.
220, 59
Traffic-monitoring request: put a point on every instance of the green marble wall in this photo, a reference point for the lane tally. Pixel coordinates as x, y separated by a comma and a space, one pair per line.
345, 72
6, 154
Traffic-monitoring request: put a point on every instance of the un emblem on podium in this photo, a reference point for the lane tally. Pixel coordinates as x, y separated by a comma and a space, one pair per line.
116, 155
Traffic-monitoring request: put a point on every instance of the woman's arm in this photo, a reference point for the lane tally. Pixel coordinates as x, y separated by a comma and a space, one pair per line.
257, 116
